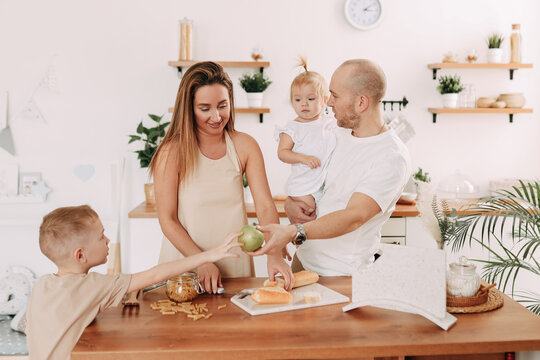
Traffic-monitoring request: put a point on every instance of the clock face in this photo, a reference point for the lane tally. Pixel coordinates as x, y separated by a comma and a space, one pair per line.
363, 14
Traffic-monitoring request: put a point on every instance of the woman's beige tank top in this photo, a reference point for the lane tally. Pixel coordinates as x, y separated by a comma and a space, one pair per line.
211, 206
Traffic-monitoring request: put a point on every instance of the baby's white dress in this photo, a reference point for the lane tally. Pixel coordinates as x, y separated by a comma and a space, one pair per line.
315, 138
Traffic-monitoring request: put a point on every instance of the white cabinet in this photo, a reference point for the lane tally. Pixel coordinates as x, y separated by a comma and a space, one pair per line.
394, 231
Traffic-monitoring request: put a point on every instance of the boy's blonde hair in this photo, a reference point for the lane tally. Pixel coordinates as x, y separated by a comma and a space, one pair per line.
62, 228
310, 78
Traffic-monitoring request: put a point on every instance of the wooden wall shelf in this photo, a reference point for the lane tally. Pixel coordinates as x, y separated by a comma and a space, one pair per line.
256, 64
509, 111
259, 111
508, 66
249, 64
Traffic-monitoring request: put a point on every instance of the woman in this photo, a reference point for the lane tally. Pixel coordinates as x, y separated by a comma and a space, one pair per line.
198, 170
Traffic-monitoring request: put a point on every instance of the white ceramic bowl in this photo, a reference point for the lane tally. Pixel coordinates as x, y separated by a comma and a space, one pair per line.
408, 196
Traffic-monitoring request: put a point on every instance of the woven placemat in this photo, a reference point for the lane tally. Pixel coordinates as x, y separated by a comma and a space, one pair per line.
495, 301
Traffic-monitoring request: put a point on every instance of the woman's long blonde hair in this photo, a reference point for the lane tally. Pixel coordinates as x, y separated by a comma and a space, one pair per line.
183, 128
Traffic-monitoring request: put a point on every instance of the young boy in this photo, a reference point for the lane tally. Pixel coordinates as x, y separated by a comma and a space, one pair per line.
63, 304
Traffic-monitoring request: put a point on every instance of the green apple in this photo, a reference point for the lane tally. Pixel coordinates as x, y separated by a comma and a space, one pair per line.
251, 237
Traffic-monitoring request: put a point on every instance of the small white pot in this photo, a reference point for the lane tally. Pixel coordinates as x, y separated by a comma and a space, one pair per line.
255, 99
450, 100
494, 56
248, 198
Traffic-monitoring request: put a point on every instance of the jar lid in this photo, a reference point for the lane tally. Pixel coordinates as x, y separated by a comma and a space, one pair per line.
190, 275
463, 266
515, 26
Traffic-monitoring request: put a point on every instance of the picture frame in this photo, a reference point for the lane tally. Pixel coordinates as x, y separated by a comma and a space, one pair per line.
26, 181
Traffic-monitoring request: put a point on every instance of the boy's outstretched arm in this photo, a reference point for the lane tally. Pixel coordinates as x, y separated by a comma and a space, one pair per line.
167, 270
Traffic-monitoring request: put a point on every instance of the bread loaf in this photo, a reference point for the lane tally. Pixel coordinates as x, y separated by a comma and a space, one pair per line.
277, 282
271, 295
301, 278
305, 277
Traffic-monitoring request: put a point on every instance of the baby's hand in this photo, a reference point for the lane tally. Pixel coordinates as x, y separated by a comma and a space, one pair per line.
311, 161
223, 251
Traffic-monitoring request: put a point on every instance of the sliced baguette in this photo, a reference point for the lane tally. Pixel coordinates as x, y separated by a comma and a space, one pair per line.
301, 278
271, 295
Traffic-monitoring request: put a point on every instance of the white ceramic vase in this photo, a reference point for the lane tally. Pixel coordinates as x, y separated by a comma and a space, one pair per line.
494, 55
248, 198
423, 190
254, 99
450, 100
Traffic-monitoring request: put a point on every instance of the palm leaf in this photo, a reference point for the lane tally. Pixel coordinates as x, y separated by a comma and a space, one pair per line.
517, 210
530, 299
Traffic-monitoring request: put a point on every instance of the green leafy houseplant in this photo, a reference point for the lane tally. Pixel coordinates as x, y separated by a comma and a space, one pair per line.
254, 83
494, 41
449, 84
420, 175
517, 210
150, 137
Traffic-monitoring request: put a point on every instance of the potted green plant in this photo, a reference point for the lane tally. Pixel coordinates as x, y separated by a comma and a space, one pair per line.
254, 85
150, 137
516, 210
449, 87
494, 54
421, 181
248, 198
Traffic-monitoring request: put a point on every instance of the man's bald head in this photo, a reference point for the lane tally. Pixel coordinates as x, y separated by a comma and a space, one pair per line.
365, 77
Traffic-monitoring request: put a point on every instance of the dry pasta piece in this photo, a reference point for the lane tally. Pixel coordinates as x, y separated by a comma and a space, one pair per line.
222, 306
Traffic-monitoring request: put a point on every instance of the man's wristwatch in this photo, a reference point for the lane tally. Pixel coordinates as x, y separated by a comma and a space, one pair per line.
300, 235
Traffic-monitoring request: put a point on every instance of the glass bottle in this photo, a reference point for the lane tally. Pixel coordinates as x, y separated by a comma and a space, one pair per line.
515, 44
186, 33
471, 96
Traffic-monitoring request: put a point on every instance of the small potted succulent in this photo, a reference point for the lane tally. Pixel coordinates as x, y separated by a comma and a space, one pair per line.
449, 87
151, 138
254, 85
494, 54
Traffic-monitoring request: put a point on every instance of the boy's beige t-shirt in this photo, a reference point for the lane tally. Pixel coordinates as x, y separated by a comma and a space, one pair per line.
61, 307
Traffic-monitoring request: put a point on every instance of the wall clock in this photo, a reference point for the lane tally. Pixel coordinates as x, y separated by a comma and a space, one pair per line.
364, 14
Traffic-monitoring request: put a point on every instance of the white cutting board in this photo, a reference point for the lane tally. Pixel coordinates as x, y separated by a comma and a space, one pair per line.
328, 297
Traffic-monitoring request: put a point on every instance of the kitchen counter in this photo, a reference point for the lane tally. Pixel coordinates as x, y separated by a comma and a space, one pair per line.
315, 333
143, 211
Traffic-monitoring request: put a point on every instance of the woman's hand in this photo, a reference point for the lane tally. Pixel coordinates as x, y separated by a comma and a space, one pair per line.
276, 265
209, 277
285, 253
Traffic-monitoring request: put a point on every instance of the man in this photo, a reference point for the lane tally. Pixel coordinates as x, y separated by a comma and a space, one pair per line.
367, 173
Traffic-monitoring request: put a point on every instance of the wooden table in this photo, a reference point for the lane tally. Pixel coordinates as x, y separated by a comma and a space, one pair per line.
316, 333
143, 211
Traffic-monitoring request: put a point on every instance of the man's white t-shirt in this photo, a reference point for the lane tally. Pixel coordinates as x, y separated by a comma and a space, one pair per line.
377, 166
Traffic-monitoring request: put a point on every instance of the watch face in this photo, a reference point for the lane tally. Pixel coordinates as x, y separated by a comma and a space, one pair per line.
363, 14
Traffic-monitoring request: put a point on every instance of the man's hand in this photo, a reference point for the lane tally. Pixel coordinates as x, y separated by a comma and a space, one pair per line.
209, 277
276, 237
298, 211
276, 265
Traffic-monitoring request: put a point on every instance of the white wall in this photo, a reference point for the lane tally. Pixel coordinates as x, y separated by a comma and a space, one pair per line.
111, 67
